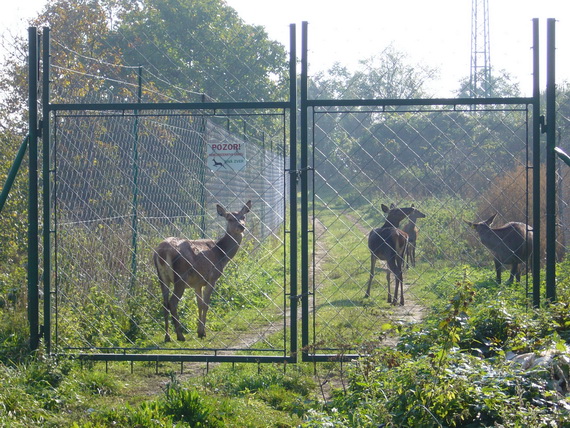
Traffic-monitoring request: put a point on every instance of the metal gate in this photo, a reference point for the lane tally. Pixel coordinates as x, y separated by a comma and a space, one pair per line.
121, 177
450, 158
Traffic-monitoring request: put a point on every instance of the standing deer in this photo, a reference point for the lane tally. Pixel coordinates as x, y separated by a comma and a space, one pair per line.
389, 243
510, 244
196, 264
412, 230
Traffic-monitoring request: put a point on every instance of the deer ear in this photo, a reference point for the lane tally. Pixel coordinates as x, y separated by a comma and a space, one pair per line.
246, 208
470, 224
490, 220
385, 208
221, 210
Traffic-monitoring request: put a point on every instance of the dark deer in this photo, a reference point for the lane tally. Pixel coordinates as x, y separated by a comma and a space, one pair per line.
510, 244
389, 243
197, 264
412, 230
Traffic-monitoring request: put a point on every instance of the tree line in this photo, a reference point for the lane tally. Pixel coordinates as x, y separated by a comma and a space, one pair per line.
192, 51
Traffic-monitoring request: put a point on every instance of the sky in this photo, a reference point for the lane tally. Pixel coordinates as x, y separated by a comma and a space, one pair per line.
436, 33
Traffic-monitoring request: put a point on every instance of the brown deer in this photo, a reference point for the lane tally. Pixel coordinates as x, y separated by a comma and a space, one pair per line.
389, 243
412, 230
197, 264
510, 244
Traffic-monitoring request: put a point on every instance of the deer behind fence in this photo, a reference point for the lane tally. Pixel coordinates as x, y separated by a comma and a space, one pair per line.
412, 230
510, 244
197, 264
389, 243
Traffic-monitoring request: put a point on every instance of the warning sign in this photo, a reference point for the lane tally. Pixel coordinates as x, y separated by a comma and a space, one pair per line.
225, 151
229, 156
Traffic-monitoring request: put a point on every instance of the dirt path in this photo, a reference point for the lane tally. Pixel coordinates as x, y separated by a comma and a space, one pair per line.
321, 255
413, 311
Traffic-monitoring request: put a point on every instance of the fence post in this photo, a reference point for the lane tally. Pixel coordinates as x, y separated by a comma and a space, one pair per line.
13, 172
135, 170
550, 163
292, 169
33, 258
304, 193
46, 189
536, 166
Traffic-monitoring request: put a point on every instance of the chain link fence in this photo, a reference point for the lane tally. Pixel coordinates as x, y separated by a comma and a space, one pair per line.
124, 182
455, 163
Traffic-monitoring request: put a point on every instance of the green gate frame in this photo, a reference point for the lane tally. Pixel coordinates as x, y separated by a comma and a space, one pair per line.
41, 128
537, 128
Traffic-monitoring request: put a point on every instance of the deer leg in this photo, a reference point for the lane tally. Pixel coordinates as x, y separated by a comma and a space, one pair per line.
399, 280
165, 307
200, 302
388, 273
203, 309
179, 287
498, 268
410, 257
395, 266
372, 267
515, 273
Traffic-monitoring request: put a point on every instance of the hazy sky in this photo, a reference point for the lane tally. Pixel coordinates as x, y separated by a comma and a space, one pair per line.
435, 32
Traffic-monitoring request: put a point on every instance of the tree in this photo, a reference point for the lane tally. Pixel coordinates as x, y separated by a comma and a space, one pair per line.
346, 144
501, 85
202, 47
391, 76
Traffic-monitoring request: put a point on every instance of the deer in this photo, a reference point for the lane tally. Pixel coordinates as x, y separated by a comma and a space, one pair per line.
510, 244
198, 264
389, 243
218, 164
412, 230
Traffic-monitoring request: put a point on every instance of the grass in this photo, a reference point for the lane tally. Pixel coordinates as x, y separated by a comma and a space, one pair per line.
62, 394
448, 369
249, 295
444, 368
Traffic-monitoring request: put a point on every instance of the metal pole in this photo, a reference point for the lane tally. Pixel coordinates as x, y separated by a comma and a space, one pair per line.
536, 166
13, 172
293, 254
46, 189
562, 155
33, 258
550, 163
134, 220
304, 194
202, 168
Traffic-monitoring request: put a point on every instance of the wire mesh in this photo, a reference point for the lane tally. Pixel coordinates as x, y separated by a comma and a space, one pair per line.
453, 163
562, 192
122, 183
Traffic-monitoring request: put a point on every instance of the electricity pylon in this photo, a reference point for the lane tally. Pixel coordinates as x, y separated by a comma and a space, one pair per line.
480, 77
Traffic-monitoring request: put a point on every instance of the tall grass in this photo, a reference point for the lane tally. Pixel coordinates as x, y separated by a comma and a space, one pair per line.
101, 304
